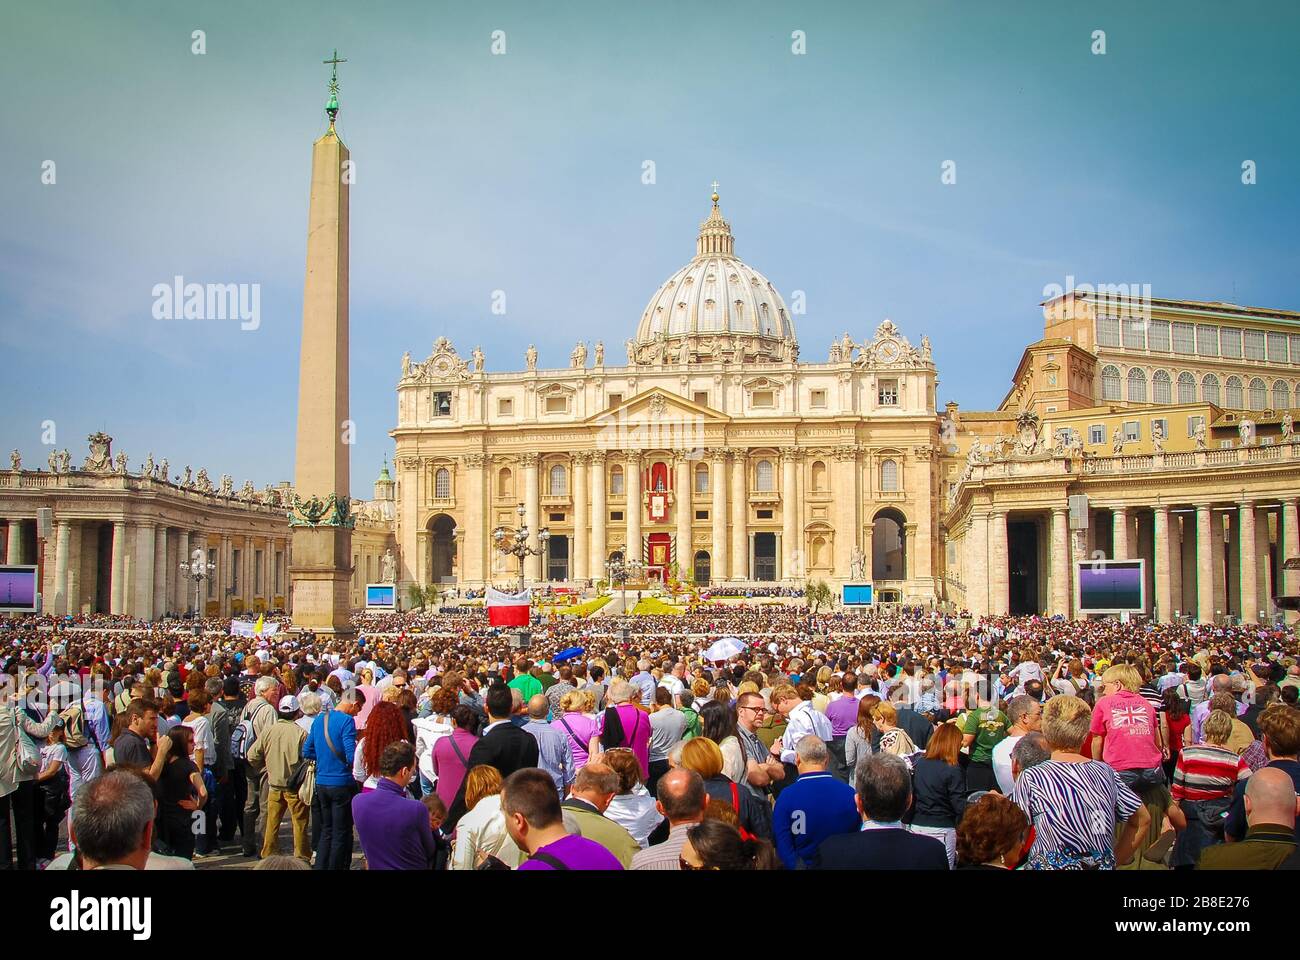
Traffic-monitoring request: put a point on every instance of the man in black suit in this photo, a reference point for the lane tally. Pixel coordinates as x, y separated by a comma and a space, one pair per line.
884, 794
503, 745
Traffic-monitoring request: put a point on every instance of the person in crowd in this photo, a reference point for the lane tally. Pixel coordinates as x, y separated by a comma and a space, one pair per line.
279, 752
704, 757
1031, 750
801, 720
1074, 802
842, 712
181, 795
883, 796
667, 728
857, 742
524, 681
893, 738
481, 833
623, 724
1280, 730
594, 788
682, 802
260, 713
1025, 714
1125, 732
1175, 719
332, 744
633, 807
982, 730
449, 757
575, 720
535, 822
939, 789
816, 806
1202, 790
1271, 807
714, 845
718, 723
992, 834
385, 725
554, 755
503, 745
112, 823
763, 772
393, 829
429, 729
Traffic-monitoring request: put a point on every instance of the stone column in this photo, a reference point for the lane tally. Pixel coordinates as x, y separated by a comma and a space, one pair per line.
1204, 565
789, 513
533, 564
1246, 562
977, 565
62, 548
578, 558
224, 565
1121, 534
182, 586
1061, 581
473, 537
145, 536
117, 573
599, 514
718, 515
684, 513
740, 517
1289, 549
250, 568
160, 572
1174, 547
14, 545
999, 571
1263, 573
1164, 585
845, 490
632, 515
1217, 562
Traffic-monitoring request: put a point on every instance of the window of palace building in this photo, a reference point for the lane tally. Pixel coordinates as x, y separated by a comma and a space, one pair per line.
887, 393
763, 400
616, 481
1132, 430
615, 399
817, 399
1192, 424
616, 515
442, 403
701, 398
1097, 433
505, 407
701, 514
557, 404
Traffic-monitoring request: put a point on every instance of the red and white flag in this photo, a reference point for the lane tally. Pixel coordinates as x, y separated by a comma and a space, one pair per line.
507, 609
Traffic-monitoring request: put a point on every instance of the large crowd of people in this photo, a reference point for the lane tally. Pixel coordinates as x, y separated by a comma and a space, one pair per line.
433, 740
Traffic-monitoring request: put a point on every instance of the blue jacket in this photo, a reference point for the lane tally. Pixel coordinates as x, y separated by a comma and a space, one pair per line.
814, 807
330, 770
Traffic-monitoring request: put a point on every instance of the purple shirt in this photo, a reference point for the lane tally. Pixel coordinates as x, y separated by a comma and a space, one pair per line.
636, 733
843, 715
446, 764
578, 729
393, 829
577, 853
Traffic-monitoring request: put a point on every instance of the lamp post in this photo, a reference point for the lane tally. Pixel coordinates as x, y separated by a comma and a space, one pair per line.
514, 542
621, 570
198, 569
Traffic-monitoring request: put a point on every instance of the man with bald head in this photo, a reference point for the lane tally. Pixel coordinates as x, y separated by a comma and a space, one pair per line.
681, 799
554, 754
1271, 808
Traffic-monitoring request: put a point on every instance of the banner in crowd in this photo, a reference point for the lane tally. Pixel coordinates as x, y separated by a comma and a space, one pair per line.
507, 609
242, 628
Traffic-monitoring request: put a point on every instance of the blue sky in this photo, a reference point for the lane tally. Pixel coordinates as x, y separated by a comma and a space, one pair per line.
522, 173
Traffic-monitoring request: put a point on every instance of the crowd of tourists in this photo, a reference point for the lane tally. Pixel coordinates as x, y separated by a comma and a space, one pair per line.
433, 741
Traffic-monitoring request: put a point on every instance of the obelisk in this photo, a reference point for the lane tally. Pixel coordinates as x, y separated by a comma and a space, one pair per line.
320, 515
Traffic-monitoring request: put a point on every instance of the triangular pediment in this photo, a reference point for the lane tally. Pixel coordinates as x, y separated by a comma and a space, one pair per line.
659, 404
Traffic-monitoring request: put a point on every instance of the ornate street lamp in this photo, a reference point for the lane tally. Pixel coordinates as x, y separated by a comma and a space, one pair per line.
198, 569
514, 542
621, 571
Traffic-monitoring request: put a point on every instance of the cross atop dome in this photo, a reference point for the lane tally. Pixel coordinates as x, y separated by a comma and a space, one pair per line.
715, 233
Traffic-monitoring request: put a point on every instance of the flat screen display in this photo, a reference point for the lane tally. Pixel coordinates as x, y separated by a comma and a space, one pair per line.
1112, 586
381, 595
857, 594
17, 589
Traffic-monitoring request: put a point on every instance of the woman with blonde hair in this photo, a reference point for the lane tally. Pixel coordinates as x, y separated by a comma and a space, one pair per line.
1075, 803
1127, 733
481, 832
705, 757
893, 738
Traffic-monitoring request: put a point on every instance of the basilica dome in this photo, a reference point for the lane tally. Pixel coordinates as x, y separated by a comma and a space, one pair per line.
717, 307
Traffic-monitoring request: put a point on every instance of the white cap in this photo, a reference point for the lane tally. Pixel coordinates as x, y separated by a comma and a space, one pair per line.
289, 704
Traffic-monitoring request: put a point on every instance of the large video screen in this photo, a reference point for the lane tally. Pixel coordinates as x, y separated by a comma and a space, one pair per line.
1112, 586
18, 589
382, 595
857, 594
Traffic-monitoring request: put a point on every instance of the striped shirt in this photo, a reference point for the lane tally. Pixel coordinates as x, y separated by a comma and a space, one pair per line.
666, 855
1074, 808
1207, 772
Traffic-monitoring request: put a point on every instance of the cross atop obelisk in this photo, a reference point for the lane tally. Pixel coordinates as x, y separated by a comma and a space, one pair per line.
332, 108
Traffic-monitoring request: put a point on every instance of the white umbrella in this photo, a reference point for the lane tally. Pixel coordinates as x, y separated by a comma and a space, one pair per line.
724, 649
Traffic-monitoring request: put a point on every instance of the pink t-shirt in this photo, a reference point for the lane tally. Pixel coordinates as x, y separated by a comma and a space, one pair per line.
1128, 723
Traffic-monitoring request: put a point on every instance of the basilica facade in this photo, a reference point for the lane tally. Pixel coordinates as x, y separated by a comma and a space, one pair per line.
702, 448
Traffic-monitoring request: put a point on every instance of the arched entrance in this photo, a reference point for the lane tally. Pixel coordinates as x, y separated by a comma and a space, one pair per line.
703, 567
442, 549
888, 546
